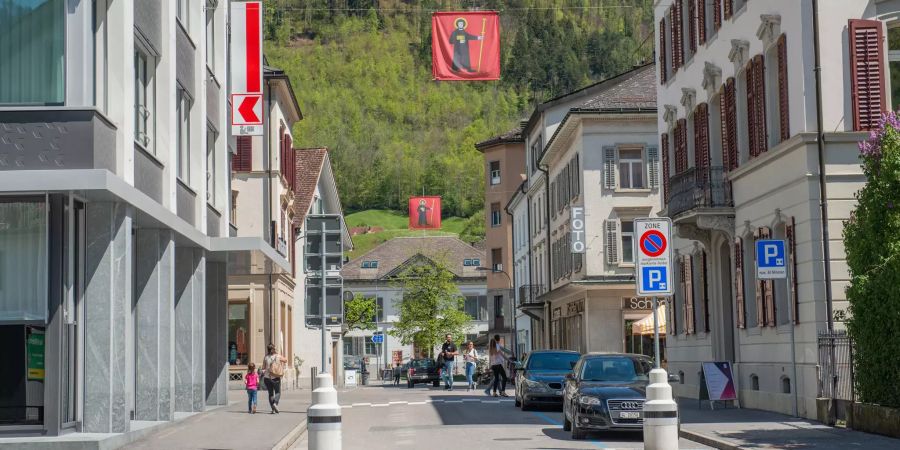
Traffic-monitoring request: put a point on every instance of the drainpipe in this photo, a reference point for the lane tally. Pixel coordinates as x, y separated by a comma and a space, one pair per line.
530, 255
547, 221
820, 141
270, 225
514, 326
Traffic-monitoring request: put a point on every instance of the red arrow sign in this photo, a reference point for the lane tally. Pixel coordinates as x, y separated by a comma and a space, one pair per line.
246, 109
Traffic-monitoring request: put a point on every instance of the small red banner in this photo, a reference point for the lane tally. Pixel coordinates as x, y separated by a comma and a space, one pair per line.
465, 45
424, 213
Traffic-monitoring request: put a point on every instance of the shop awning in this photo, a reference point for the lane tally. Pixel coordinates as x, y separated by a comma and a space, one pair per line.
645, 325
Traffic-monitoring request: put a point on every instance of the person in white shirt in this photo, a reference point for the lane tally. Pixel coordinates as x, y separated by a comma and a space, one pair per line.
497, 361
470, 356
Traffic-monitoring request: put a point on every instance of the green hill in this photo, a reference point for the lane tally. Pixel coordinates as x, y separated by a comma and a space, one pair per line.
392, 224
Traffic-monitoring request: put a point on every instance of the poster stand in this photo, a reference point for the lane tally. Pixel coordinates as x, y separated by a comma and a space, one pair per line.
722, 373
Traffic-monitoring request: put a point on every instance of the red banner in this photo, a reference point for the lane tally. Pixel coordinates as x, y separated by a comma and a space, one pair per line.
424, 213
465, 45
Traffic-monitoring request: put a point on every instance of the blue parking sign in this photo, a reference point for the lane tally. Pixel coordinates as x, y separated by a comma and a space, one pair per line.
771, 261
653, 279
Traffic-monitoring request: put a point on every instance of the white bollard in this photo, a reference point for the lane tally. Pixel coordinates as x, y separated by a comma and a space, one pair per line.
324, 416
660, 414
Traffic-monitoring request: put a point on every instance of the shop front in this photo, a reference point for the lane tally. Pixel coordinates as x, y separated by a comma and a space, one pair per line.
638, 326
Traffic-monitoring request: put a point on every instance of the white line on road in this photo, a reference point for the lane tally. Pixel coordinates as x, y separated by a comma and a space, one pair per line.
362, 404
397, 403
416, 403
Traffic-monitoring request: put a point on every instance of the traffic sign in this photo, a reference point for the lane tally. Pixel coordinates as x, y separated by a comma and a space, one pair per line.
246, 68
247, 109
771, 263
653, 263
377, 338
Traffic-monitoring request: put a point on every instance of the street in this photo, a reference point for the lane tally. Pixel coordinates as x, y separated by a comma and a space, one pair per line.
376, 417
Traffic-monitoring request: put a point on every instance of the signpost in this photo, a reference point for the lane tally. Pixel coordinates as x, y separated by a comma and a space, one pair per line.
246, 69
322, 262
377, 338
576, 224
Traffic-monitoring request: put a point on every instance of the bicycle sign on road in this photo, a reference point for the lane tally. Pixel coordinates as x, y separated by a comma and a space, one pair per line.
653, 265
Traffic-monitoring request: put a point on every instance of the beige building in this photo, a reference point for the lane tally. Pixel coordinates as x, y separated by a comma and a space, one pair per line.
504, 166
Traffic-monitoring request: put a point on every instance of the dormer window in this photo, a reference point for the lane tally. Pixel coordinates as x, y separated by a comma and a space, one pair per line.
370, 264
467, 262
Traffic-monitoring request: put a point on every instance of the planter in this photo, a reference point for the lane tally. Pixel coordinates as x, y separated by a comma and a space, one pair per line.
875, 419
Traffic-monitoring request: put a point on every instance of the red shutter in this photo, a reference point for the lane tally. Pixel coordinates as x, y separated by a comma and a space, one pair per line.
717, 14
243, 160
664, 149
723, 127
692, 24
701, 21
281, 159
689, 294
762, 135
681, 131
867, 92
290, 162
729, 124
701, 136
760, 304
728, 6
750, 86
662, 51
677, 41
739, 282
784, 115
791, 234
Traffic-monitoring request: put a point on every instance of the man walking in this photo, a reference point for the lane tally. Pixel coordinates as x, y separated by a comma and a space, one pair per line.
449, 352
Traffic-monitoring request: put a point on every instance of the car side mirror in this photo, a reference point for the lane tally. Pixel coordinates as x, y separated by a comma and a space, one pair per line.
674, 378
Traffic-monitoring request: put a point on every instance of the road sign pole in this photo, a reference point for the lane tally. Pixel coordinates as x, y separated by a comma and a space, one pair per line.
656, 331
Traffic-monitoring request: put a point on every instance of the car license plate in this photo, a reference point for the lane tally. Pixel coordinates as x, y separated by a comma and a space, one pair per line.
630, 415
558, 392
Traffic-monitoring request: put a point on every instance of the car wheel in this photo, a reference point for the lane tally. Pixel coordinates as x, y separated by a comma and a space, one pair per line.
567, 425
436, 383
577, 432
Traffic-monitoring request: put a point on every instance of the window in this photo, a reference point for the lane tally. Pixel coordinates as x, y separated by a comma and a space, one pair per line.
238, 333
754, 382
234, 195
211, 34
370, 264
379, 309
183, 12
495, 172
23, 260
371, 347
631, 168
785, 385
183, 134
496, 215
466, 262
628, 242
210, 166
476, 262
33, 42
475, 306
348, 346
143, 95
498, 306
496, 259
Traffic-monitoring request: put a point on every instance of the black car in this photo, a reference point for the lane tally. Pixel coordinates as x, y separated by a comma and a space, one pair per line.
606, 392
422, 370
540, 377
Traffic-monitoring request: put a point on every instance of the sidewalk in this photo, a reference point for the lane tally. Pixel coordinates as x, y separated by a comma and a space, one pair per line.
232, 427
753, 429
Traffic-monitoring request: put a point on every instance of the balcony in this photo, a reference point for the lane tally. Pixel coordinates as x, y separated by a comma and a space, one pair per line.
528, 296
700, 191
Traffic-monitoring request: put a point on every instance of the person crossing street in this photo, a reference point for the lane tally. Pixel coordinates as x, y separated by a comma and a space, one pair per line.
448, 352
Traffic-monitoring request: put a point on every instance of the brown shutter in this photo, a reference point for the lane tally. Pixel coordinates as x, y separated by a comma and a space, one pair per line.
728, 5
769, 288
677, 40
760, 304
867, 92
784, 116
750, 86
717, 14
731, 124
790, 232
723, 127
664, 149
662, 51
243, 160
739, 282
692, 24
762, 135
701, 136
701, 21
680, 146
689, 294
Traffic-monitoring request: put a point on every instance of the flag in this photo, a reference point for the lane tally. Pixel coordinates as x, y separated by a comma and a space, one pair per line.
425, 213
465, 45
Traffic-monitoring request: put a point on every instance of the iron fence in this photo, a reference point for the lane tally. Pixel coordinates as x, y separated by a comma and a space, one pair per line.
836, 365
529, 293
695, 188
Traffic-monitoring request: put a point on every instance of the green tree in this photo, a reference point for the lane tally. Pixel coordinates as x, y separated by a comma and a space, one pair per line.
473, 230
359, 313
431, 306
872, 242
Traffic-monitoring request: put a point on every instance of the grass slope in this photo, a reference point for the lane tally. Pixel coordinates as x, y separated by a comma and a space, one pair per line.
394, 224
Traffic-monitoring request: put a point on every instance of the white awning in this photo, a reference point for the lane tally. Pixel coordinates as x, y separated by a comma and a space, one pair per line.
645, 325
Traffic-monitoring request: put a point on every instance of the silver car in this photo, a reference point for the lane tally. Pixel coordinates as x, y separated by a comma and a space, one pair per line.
541, 377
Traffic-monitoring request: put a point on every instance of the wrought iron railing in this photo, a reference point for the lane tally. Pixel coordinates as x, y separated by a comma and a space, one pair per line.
699, 188
529, 293
836, 365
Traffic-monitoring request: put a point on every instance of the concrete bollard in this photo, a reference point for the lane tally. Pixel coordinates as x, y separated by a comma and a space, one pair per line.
324, 416
660, 414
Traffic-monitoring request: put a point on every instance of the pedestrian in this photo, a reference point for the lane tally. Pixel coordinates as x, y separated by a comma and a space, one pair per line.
251, 380
397, 373
449, 352
273, 368
497, 360
470, 356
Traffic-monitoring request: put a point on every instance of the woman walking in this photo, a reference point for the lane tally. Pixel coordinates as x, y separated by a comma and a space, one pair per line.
497, 361
273, 366
470, 356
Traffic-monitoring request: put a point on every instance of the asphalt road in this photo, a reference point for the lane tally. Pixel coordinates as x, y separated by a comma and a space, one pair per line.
376, 417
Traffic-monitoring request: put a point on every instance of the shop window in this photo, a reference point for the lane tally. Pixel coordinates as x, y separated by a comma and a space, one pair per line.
238, 333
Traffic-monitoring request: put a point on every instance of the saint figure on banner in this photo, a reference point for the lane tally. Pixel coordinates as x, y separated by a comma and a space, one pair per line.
459, 39
423, 213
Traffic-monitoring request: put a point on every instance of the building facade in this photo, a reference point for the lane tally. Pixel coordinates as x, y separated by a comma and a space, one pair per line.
528, 322
755, 145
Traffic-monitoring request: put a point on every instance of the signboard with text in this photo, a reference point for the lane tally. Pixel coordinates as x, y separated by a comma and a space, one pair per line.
718, 381
653, 262
771, 262
246, 69
576, 225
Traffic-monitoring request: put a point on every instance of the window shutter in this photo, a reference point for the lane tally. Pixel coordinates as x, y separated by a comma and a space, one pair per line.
692, 24
867, 92
717, 14
681, 288
701, 136
723, 127
577, 175
612, 253
701, 21
728, 5
790, 232
762, 135
784, 114
689, 294
653, 166
731, 123
677, 39
662, 51
750, 70
243, 160
664, 147
768, 287
609, 167
739, 282
760, 295
680, 146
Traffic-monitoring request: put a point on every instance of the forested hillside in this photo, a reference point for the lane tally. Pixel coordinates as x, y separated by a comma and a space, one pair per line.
362, 72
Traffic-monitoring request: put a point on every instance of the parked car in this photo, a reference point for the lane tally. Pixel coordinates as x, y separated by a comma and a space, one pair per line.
606, 391
422, 370
540, 378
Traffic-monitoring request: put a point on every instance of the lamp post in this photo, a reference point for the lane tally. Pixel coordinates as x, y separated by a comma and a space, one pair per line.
511, 295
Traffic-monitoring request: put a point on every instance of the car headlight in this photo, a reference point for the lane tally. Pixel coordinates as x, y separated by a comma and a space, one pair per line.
588, 400
535, 385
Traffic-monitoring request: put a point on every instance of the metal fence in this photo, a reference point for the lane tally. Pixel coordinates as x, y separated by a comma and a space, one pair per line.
836, 365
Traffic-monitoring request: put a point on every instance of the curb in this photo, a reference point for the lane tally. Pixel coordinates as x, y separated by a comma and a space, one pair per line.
293, 436
717, 443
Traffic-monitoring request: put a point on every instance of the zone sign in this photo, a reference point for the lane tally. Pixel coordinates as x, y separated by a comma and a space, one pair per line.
653, 263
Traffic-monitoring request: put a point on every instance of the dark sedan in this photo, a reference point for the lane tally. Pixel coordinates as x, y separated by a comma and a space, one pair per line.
541, 376
606, 392
422, 370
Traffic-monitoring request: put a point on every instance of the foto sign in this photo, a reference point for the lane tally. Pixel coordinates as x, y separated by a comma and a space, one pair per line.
246, 69
576, 224
770, 259
653, 262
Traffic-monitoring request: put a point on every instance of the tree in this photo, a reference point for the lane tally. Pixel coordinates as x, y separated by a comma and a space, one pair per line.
473, 230
431, 306
359, 314
872, 242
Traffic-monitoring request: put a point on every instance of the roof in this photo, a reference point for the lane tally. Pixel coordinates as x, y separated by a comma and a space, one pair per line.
309, 168
275, 73
510, 137
400, 251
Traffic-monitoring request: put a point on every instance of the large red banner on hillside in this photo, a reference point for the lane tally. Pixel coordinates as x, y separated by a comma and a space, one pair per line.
425, 213
465, 45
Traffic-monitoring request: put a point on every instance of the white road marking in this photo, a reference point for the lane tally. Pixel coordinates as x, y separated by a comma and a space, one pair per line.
416, 403
362, 404
376, 405
397, 403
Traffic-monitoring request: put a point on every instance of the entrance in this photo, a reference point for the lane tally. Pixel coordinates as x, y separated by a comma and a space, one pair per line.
727, 352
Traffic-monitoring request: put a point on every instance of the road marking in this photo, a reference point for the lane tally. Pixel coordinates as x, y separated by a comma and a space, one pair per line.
416, 403
377, 405
397, 403
425, 402
453, 401
362, 404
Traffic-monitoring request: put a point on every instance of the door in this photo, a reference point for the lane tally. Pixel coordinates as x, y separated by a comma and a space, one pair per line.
727, 302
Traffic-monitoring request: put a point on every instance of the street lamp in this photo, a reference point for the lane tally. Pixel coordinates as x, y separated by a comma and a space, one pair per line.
511, 295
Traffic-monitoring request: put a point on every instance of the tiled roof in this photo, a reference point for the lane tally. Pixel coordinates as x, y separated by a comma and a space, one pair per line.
392, 254
309, 168
632, 90
511, 136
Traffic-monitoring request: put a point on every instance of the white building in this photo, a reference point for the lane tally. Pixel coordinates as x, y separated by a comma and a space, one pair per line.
528, 323
752, 141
